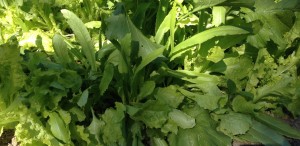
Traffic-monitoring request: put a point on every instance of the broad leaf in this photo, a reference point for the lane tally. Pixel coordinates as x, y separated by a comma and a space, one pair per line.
60, 48
83, 98
204, 133
36, 134
112, 131
58, 127
12, 77
169, 96
215, 54
95, 126
240, 104
119, 25
93, 24
183, 120
78, 113
234, 123
219, 14
153, 113
207, 101
234, 68
146, 89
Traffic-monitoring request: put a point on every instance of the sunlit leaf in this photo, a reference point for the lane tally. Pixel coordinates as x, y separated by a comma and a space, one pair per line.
204, 36
219, 14
82, 36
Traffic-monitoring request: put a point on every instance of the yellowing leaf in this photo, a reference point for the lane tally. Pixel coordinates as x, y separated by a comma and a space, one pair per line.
215, 54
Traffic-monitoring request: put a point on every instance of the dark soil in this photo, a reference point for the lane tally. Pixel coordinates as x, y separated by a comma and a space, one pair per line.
6, 137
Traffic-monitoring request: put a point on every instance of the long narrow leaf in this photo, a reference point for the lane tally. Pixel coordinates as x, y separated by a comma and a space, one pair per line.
278, 125
82, 36
172, 25
204, 36
107, 77
265, 135
163, 28
203, 4
182, 119
146, 60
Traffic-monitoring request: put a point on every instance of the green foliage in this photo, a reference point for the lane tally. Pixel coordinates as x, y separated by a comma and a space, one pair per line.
82, 36
198, 72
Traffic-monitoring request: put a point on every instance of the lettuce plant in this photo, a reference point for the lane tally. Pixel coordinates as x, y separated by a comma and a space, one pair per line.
149, 73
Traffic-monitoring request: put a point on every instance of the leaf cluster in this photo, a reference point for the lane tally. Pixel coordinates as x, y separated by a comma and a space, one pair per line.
198, 72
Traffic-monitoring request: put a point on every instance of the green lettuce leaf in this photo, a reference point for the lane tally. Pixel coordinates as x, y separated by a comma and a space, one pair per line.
12, 77
169, 96
153, 113
234, 123
275, 22
183, 120
113, 129
31, 132
204, 132
95, 127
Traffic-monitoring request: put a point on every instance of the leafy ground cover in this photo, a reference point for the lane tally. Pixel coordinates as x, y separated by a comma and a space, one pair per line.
138, 73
